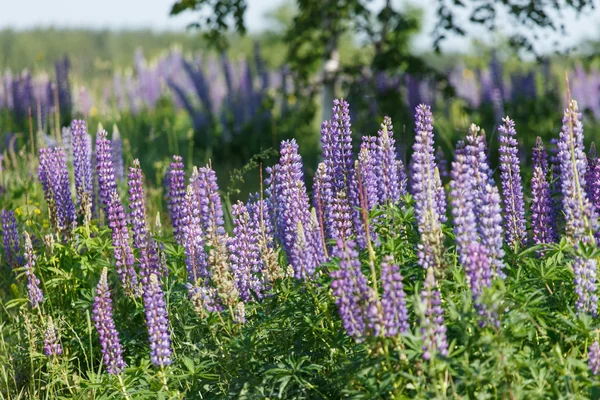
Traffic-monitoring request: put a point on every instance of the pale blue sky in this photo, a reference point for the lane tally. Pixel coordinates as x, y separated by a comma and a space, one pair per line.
154, 14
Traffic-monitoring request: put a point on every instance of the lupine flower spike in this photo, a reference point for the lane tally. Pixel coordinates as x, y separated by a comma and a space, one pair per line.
10, 239
512, 187
52, 346
157, 321
33, 283
395, 313
176, 195
594, 357
82, 167
102, 315
433, 330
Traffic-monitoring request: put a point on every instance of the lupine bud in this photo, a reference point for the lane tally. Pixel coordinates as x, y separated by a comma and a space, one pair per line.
33, 283
157, 322
539, 157
52, 346
102, 315
594, 357
580, 217
176, 194
124, 260
117, 154
433, 330
426, 192
142, 239
512, 187
105, 168
585, 285
82, 165
10, 239
395, 313
350, 289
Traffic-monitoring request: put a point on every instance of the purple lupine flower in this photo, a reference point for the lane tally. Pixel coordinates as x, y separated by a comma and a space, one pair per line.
321, 194
303, 253
176, 194
580, 217
402, 178
442, 163
512, 187
341, 217
54, 176
395, 313
339, 161
157, 322
369, 168
142, 239
426, 192
102, 315
82, 166
539, 157
124, 260
316, 240
543, 222
479, 277
117, 154
104, 168
206, 190
350, 289
52, 346
594, 357
262, 224
433, 329
585, 285
490, 227
462, 204
292, 209
10, 239
487, 203
592, 179
191, 238
244, 255
33, 283
385, 164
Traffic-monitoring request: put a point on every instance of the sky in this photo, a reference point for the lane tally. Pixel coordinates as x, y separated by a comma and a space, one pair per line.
119, 14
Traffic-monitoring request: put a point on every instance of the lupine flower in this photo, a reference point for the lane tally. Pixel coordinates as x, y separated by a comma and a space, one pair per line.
539, 157
244, 256
442, 163
369, 166
117, 154
10, 239
176, 194
206, 190
512, 187
350, 289
462, 205
316, 240
386, 168
157, 322
321, 194
592, 178
52, 346
33, 283
105, 168
338, 157
594, 357
580, 217
54, 176
292, 208
395, 313
341, 217
191, 238
124, 260
204, 298
102, 315
142, 240
433, 329
262, 224
487, 203
425, 191
82, 166
543, 223
402, 178
585, 285
479, 276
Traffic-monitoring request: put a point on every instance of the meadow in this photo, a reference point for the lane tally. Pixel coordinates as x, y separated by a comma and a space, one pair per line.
173, 237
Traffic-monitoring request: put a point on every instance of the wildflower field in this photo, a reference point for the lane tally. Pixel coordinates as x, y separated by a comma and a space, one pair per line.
443, 278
